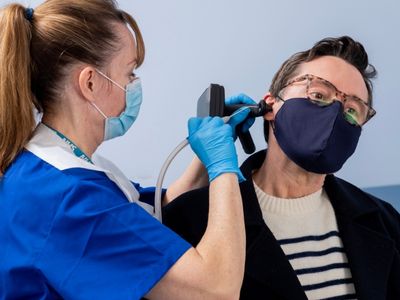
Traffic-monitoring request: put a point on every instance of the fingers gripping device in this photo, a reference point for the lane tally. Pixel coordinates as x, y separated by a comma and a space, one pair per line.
212, 103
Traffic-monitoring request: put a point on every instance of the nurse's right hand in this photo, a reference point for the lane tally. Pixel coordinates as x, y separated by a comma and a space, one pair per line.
212, 140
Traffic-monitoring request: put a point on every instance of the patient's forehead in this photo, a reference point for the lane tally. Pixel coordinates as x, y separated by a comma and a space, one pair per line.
339, 72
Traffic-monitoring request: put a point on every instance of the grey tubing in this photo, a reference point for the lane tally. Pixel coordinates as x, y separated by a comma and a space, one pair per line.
157, 197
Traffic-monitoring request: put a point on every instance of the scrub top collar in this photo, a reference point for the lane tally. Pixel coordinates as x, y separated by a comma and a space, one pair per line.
46, 145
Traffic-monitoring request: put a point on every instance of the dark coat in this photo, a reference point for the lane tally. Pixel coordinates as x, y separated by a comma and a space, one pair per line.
369, 229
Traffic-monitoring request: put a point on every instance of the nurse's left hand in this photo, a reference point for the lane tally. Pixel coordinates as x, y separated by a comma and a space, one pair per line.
242, 99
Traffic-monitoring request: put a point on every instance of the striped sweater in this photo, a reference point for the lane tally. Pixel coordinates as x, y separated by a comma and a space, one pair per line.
307, 232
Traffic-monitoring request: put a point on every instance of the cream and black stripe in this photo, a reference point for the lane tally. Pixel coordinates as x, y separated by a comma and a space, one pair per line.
307, 232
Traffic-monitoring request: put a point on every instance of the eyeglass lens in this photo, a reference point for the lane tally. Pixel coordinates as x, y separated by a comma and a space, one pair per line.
323, 93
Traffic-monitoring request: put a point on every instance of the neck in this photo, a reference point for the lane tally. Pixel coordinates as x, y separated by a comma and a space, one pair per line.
75, 130
280, 177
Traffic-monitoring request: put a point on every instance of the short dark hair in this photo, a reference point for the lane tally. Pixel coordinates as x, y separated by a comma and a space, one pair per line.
343, 47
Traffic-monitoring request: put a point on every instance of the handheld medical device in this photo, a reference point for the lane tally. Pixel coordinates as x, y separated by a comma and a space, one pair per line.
212, 103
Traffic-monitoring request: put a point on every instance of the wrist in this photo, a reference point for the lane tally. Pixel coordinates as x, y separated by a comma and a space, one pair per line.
212, 174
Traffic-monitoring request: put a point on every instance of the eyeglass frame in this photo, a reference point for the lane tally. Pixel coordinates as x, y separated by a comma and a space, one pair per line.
310, 77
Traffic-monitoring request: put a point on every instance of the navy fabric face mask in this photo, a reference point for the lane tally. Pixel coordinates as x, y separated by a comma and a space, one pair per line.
317, 138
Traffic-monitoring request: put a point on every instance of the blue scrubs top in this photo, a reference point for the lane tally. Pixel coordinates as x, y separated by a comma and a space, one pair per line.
70, 232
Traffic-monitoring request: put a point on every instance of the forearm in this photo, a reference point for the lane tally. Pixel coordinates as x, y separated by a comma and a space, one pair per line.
224, 243
195, 176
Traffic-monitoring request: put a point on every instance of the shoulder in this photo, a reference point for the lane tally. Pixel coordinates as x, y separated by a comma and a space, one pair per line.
363, 197
187, 215
388, 215
351, 200
30, 177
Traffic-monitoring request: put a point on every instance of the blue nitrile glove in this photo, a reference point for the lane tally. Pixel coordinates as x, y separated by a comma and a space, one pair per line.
242, 99
212, 141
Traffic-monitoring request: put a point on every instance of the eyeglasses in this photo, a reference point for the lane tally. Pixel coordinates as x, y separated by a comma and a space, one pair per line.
323, 93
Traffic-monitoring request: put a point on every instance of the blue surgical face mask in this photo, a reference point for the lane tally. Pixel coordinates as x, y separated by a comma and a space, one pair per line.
317, 138
118, 126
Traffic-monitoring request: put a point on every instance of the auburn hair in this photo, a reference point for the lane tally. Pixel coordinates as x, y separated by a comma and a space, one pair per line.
36, 51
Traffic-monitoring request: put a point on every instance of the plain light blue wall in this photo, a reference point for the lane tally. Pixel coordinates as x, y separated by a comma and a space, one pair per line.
241, 44
389, 193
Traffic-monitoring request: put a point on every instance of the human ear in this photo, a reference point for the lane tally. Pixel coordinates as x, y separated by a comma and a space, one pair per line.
270, 101
88, 84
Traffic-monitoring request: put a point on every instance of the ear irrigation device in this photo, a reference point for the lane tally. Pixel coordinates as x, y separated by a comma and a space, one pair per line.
212, 103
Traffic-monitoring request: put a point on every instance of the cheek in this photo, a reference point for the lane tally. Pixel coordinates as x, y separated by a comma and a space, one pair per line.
276, 107
117, 102
121, 101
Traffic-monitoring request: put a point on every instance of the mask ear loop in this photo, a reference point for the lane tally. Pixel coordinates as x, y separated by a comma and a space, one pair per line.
98, 109
116, 83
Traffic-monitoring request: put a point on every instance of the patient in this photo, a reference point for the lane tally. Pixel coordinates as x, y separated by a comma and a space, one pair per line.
310, 235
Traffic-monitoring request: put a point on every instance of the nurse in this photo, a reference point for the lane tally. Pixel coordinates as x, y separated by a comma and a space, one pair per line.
71, 225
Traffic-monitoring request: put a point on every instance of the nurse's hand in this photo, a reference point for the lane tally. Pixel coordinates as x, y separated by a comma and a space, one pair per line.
212, 140
242, 99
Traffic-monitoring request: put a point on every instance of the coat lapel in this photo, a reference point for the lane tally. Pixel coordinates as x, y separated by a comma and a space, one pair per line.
369, 252
266, 262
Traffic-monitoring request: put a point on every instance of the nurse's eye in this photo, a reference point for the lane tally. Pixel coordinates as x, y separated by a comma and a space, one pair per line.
132, 75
